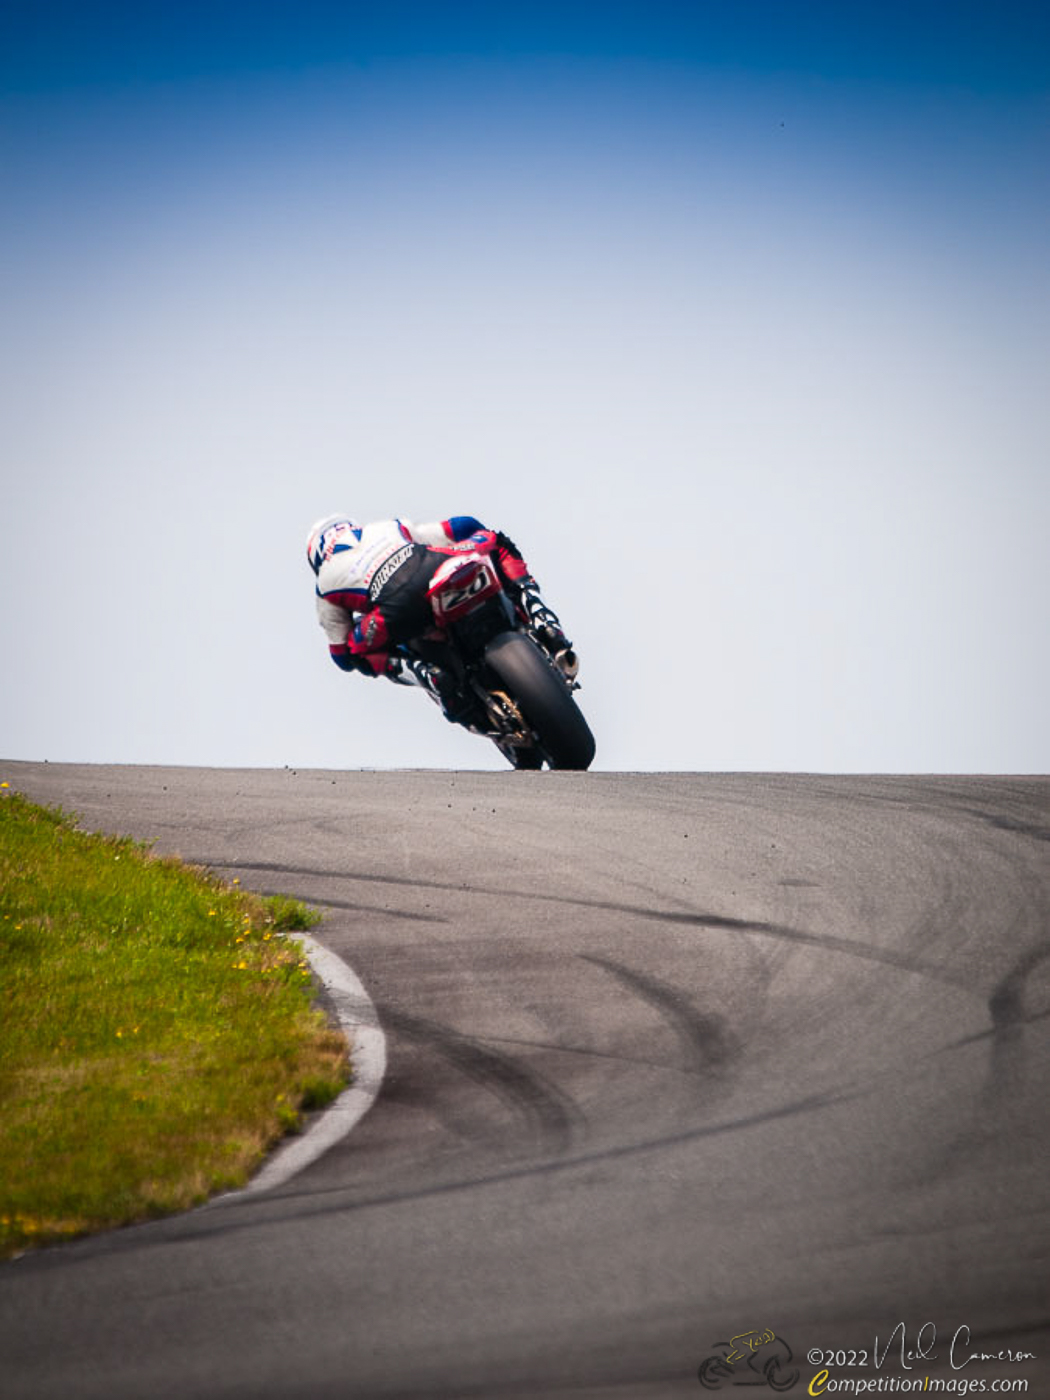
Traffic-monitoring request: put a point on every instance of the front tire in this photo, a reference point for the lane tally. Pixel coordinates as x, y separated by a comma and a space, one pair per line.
544, 699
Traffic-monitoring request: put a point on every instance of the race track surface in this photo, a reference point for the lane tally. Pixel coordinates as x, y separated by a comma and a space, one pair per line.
672, 1058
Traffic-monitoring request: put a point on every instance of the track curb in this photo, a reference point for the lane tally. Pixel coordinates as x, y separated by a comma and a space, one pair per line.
357, 1017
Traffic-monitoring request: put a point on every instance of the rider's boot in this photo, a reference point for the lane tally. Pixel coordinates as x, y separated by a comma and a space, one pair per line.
545, 622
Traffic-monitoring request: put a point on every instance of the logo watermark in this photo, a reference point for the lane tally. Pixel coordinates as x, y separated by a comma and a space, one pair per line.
760, 1357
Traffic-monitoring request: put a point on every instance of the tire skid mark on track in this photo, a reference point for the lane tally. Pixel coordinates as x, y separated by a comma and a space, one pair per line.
1006, 1003
1008, 1055
295, 1204
992, 1110
338, 1200
552, 1116
364, 908
871, 1083
990, 1032
1009, 824
708, 1045
828, 941
588, 1051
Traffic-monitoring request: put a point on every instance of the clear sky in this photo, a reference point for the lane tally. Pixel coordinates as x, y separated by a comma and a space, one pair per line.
734, 315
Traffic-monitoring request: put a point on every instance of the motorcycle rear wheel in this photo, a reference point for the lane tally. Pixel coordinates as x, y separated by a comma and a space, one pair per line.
544, 699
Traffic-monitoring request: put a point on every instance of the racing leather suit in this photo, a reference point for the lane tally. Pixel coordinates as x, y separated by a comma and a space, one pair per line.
371, 588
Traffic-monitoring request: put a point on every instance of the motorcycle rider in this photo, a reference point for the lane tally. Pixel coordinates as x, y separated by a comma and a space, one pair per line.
371, 595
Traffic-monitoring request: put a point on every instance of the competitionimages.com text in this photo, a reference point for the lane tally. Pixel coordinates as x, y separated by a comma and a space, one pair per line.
823, 1383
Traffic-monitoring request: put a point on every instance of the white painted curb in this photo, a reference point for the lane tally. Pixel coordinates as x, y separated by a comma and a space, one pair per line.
357, 1017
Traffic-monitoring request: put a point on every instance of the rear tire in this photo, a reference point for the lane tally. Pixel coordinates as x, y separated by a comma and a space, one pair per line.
544, 699
524, 759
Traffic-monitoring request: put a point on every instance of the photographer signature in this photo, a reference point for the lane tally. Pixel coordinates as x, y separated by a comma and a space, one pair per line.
926, 1340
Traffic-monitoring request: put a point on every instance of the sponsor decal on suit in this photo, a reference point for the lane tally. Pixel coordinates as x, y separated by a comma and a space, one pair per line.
385, 572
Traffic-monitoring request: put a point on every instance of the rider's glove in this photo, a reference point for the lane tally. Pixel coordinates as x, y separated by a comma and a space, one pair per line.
505, 544
375, 663
369, 635
511, 565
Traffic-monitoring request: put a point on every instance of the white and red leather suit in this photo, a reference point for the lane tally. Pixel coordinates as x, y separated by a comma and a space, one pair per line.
360, 563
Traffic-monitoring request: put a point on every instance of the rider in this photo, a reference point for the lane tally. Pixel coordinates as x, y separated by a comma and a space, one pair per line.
372, 593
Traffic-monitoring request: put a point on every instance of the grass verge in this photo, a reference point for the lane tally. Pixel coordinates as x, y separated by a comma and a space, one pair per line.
156, 1037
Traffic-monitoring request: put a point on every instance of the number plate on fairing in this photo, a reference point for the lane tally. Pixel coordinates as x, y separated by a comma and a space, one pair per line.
460, 585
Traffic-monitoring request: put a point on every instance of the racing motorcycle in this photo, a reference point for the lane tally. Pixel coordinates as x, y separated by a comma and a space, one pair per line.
517, 690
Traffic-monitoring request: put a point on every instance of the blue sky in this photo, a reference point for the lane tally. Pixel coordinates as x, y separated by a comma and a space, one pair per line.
974, 45
734, 315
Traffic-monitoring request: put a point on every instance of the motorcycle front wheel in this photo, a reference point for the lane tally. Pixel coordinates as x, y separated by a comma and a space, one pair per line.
544, 698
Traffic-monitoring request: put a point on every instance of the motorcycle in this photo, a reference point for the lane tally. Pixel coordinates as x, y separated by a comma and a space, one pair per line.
517, 690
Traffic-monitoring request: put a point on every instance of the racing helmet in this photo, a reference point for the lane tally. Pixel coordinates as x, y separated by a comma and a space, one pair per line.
326, 533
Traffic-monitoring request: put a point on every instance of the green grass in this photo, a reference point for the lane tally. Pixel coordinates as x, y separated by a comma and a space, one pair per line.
156, 1031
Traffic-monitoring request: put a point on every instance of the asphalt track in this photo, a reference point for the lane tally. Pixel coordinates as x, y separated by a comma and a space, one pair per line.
672, 1057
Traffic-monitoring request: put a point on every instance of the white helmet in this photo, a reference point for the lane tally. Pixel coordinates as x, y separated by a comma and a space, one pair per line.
326, 533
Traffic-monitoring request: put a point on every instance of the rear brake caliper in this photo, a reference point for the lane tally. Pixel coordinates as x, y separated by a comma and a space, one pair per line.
507, 718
